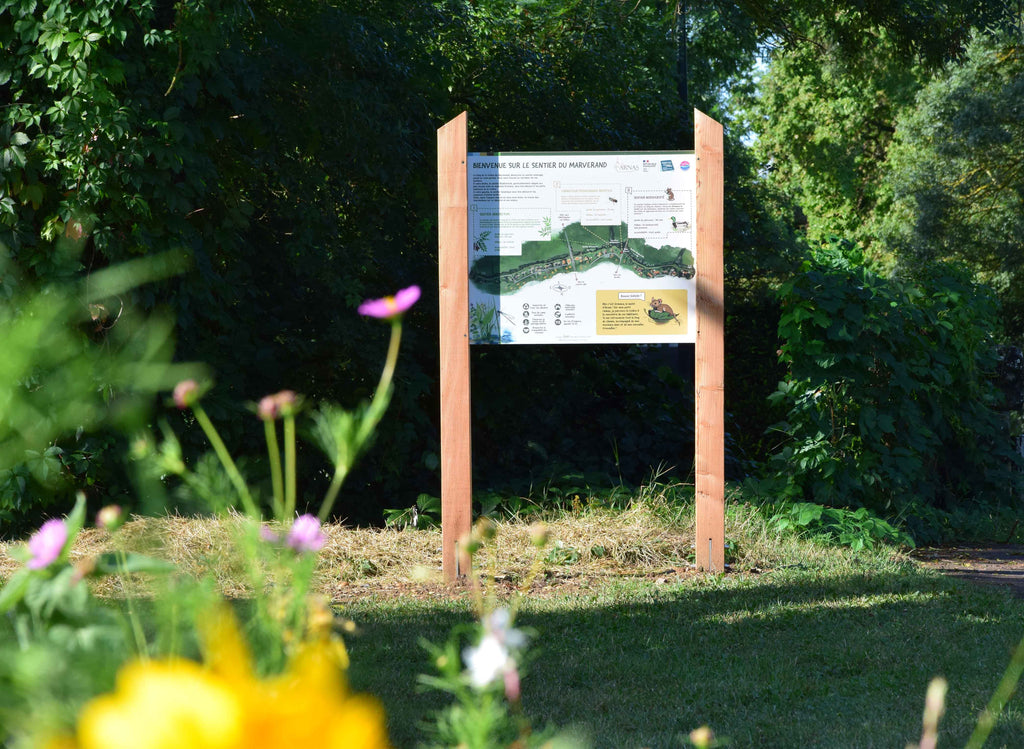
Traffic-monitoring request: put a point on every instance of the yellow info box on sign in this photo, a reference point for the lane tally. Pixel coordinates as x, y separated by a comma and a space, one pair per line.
642, 312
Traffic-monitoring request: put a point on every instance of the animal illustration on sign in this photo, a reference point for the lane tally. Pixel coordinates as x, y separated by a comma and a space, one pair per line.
661, 312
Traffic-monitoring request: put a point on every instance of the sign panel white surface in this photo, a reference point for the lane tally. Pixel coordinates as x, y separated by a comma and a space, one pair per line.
582, 247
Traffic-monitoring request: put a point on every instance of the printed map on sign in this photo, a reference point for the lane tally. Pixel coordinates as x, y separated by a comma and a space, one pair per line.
581, 248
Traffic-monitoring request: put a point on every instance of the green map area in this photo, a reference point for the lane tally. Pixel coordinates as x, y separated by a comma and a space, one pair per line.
576, 249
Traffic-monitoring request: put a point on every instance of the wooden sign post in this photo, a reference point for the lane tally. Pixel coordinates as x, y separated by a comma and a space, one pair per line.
709, 374
453, 287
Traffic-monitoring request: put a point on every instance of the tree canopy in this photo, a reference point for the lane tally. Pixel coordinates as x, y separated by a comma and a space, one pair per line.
956, 171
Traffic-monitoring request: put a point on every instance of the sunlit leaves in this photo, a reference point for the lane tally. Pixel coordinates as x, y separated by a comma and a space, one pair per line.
957, 172
824, 123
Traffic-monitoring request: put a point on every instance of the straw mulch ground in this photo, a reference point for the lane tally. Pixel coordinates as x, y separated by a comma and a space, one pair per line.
357, 562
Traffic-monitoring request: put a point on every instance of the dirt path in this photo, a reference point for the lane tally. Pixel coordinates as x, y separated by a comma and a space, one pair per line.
1001, 565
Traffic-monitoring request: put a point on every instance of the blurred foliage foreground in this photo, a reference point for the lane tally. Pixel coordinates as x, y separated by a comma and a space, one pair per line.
78, 674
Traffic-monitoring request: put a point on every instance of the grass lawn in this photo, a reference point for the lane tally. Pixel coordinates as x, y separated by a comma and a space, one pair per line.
792, 658
800, 645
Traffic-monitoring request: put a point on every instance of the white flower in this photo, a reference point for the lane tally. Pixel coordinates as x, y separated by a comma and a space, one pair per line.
497, 623
487, 661
493, 657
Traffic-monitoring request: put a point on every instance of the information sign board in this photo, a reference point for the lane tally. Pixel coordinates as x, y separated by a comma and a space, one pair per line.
581, 247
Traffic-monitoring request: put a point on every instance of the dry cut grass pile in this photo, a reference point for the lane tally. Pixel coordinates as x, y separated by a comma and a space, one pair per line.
652, 538
374, 561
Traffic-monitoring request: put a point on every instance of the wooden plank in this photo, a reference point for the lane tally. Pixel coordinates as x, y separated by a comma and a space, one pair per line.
710, 351
453, 294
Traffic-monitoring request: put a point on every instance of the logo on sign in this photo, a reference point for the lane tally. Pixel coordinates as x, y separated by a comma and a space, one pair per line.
666, 166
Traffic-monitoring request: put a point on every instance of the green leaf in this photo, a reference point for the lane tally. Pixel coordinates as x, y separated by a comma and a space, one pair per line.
75, 521
33, 194
807, 513
15, 589
64, 592
108, 564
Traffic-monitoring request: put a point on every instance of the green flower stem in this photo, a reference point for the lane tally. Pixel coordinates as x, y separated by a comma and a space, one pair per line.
274, 451
382, 395
289, 465
384, 386
24, 636
527, 583
1007, 685
225, 460
141, 646
332, 494
372, 417
392, 359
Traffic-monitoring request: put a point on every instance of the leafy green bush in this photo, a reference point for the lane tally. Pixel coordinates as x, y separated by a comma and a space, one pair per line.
858, 529
425, 513
888, 392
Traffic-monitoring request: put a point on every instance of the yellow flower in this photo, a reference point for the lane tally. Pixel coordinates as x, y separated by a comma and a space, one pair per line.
309, 705
180, 704
164, 705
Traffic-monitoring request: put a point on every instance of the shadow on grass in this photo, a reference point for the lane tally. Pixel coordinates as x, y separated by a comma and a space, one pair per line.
790, 659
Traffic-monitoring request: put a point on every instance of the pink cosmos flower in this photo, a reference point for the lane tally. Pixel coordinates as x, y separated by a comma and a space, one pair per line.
390, 306
305, 534
47, 543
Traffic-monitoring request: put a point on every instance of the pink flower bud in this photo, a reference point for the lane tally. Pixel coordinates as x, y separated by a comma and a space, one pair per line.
110, 518
267, 409
287, 402
186, 393
511, 678
284, 403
